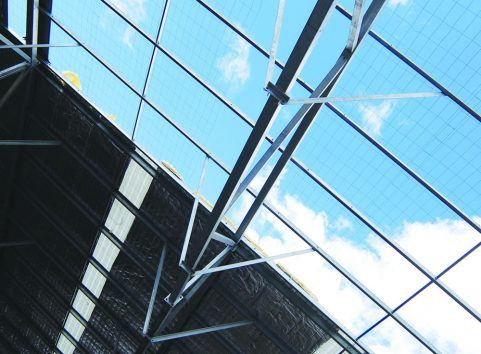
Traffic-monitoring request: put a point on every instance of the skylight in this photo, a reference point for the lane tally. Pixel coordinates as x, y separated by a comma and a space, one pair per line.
386, 191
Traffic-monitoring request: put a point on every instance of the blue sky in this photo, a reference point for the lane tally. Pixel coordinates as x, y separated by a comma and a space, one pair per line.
433, 136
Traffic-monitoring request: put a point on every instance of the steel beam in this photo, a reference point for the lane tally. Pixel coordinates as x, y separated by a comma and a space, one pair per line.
224, 239
154, 290
20, 52
373, 34
286, 80
44, 45
32, 28
251, 262
4, 13
29, 143
12, 88
193, 213
355, 27
195, 332
392, 96
35, 30
15, 243
275, 42
12, 70
294, 122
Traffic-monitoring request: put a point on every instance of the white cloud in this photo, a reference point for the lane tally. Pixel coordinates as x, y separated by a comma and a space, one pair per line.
127, 37
373, 116
380, 269
135, 10
342, 223
234, 65
395, 3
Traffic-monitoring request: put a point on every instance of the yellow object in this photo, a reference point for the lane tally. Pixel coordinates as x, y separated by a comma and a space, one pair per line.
172, 169
111, 117
73, 78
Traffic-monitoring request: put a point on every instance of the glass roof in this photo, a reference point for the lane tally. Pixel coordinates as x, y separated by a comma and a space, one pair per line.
384, 177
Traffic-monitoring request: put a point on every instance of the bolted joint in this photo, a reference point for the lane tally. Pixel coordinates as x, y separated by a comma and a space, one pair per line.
274, 91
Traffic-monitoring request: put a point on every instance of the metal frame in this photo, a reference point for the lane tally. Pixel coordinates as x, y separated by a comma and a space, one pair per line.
12, 70
354, 38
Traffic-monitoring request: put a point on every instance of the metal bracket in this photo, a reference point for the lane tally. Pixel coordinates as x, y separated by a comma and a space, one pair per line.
274, 91
224, 239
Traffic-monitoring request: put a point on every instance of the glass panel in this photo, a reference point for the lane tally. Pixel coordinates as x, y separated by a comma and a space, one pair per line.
110, 37
197, 111
217, 54
17, 17
463, 279
390, 337
443, 322
95, 82
442, 37
388, 197
433, 136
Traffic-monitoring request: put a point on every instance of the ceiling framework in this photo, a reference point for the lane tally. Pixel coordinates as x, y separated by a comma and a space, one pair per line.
128, 314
